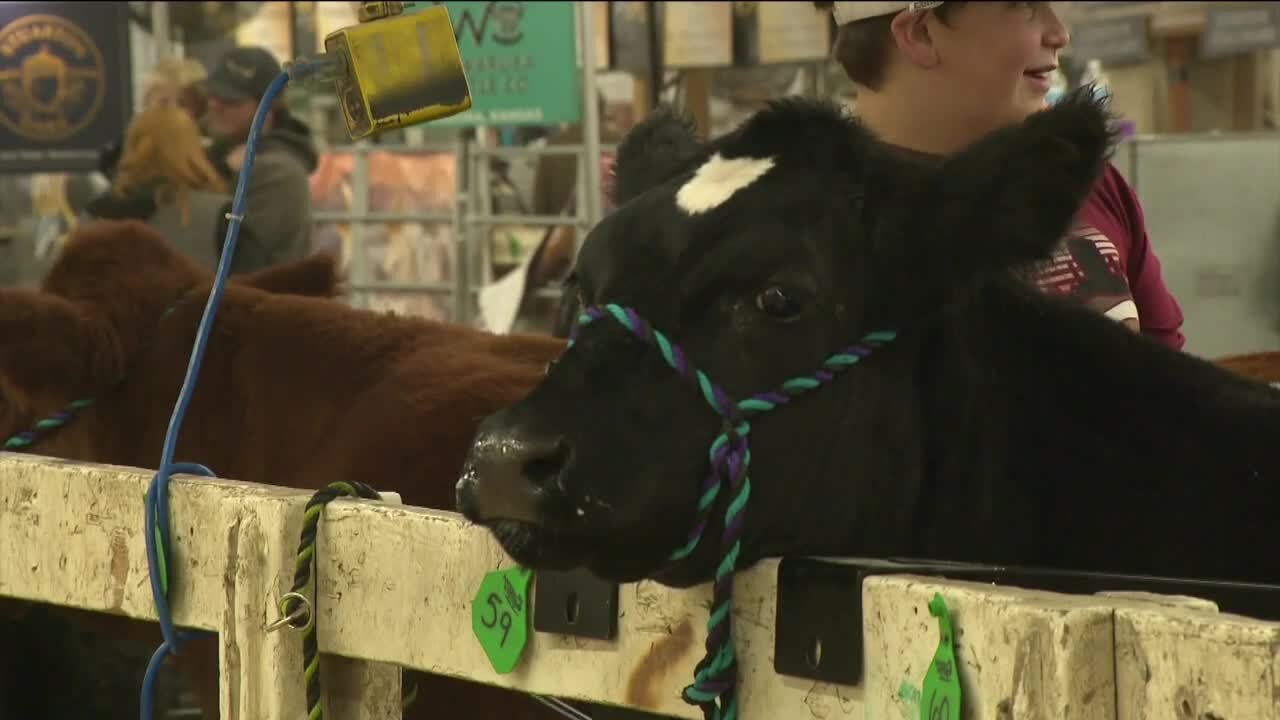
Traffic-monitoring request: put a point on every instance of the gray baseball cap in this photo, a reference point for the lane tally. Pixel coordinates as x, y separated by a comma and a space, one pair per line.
244, 73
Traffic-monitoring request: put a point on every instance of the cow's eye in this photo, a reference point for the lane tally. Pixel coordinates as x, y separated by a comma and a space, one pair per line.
778, 303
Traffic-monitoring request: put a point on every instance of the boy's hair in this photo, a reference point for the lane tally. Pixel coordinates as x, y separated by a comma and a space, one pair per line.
862, 47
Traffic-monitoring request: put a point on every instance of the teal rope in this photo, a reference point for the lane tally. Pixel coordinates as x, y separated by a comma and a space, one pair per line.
60, 419
64, 417
24, 440
730, 458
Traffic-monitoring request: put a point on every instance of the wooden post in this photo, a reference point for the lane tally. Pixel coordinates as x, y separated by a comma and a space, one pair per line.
262, 673
641, 99
697, 97
1179, 54
1246, 93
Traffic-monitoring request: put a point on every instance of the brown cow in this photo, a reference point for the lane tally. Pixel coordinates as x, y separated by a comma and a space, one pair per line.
33, 641
295, 391
1262, 366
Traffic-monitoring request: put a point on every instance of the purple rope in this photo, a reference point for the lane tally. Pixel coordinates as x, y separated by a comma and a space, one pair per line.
729, 458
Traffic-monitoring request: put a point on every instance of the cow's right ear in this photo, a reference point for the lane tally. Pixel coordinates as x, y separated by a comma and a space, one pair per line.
316, 275
654, 151
1013, 194
47, 344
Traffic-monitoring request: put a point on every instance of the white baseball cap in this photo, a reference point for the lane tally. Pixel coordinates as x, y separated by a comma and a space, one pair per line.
847, 12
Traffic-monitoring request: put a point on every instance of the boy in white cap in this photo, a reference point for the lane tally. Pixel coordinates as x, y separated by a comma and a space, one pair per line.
934, 77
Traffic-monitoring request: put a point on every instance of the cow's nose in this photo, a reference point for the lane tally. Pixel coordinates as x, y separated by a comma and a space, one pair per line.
509, 472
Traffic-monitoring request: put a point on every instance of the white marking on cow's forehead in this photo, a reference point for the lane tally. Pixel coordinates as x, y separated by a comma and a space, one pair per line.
717, 181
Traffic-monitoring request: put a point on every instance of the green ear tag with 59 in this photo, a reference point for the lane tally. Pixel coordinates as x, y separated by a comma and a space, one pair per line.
500, 616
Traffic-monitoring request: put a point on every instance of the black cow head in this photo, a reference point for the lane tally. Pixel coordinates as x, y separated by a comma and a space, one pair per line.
760, 254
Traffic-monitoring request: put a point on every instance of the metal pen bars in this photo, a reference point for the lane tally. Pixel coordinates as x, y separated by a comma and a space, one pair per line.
472, 220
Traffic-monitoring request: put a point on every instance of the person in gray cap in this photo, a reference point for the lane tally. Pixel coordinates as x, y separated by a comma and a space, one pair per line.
277, 212
933, 77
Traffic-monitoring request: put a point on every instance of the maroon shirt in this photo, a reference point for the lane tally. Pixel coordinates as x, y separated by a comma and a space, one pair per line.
1106, 262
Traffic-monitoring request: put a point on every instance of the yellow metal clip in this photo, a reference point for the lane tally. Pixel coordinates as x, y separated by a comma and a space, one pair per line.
375, 10
401, 68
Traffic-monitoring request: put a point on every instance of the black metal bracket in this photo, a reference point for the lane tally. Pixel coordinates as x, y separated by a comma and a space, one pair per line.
575, 603
818, 627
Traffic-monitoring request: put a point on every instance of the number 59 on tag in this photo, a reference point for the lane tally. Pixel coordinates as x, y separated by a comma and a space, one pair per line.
500, 616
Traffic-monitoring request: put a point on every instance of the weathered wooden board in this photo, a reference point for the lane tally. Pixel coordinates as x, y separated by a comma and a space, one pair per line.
1021, 654
1022, 651
72, 534
396, 585
1195, 664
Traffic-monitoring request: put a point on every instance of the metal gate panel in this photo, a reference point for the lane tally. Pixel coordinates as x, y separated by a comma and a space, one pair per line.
483, 222
1211, 211
1125, 160
365, 211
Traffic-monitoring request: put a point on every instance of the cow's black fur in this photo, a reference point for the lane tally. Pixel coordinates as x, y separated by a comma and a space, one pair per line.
1003, 425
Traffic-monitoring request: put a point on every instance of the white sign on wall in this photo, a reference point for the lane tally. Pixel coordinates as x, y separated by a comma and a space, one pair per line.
789, 33
697, 34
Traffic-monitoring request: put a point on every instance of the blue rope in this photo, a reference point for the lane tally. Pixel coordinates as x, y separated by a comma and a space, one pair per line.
157, 503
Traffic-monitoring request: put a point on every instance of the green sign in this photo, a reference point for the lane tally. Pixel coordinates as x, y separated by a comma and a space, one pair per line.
521, 63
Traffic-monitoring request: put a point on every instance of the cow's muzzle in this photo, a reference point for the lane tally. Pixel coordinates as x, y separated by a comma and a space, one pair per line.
511, 472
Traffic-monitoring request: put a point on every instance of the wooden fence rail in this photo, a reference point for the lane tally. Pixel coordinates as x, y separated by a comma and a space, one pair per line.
395, 586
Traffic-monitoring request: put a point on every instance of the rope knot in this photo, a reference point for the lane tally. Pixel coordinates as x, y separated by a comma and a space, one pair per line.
729, 427
715, 684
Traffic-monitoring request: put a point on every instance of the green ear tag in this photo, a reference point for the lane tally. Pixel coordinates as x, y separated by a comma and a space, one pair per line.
500, 616
940, 696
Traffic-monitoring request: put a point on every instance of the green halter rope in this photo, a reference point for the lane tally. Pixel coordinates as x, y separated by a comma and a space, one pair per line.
298, 612
730, 456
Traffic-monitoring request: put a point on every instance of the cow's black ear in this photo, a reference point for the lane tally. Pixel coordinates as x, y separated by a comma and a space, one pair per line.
568, 308
1014, 193
654, 151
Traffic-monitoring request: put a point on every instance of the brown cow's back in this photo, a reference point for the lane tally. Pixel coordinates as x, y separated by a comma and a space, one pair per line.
293, 391
302, 392
1262, 367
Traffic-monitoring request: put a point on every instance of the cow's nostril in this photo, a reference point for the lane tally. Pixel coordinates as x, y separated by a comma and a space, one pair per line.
545, 461
512, 471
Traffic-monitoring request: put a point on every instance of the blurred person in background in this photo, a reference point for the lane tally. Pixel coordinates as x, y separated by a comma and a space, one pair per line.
934, 77
173, 81
277, 212
165, 179
179, 82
